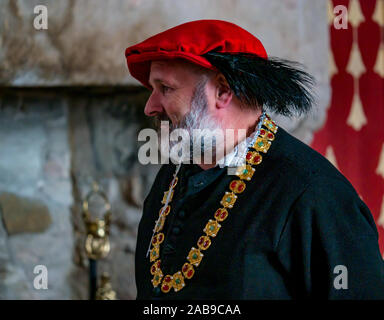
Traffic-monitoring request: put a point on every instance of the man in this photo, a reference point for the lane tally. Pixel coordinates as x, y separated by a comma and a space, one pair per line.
287, 225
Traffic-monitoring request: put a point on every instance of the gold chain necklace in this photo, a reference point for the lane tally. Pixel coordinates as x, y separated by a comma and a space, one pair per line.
245, 172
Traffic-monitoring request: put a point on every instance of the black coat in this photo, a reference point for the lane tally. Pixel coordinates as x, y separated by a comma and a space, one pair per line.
297, 220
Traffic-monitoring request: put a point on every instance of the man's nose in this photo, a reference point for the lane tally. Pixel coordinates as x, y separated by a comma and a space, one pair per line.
153, 106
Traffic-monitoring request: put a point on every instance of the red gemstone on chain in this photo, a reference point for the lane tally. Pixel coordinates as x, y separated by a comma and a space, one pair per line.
153, 268
201, 240
270, 136
158, 264
165, 287
167, 279
223, 215
240, 188
249, 156
185, 268
154, 240
189, 274
160, 237
233, 185
262, 131
206, 243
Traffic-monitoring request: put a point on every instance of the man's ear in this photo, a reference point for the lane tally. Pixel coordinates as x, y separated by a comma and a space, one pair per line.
224, 93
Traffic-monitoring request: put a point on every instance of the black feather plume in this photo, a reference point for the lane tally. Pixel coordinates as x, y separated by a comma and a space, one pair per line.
277, 84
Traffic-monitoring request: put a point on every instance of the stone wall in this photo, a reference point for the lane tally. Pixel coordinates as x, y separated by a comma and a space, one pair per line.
58, 142
85, 40
34, 169
70, 113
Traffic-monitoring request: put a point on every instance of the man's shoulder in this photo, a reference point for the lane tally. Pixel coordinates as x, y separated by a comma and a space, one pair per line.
318, 191
295, 159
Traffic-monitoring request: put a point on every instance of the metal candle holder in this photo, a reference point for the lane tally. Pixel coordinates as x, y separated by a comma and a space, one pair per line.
97, 245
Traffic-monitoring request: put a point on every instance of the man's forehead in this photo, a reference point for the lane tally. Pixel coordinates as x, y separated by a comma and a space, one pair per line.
161, 71
175, 68
159, 66
169, 65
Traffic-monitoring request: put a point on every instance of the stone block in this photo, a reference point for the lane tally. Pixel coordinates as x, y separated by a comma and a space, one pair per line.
23, 214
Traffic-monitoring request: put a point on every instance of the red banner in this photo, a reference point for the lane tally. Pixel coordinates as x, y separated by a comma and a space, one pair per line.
353, 135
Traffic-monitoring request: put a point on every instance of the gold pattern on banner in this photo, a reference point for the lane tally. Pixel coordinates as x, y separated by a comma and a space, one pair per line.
380, 220
355, 16
379, 64
332, 65
378, 17
330, 14
380, 166
355, 64
357, 118
378, 14
330, 155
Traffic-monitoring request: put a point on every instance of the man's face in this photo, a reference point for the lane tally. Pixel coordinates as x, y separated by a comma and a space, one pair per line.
179, 95
173, 86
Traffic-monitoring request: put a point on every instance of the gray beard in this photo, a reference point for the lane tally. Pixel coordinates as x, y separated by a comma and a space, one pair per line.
194, 122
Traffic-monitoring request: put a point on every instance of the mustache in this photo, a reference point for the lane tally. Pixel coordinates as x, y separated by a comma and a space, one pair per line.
162, 117
172, 126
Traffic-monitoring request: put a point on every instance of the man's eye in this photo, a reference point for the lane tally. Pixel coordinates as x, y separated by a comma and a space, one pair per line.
165, 89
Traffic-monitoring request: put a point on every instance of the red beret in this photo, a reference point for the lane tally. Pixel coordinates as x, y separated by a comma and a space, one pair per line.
190, 41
